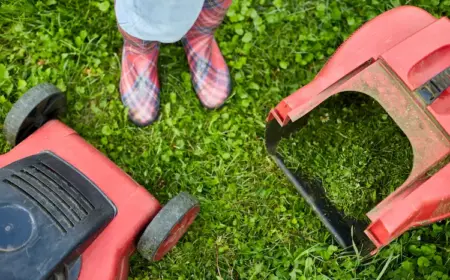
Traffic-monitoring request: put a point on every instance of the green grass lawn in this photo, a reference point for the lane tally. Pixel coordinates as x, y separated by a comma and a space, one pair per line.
338, 146
253, 224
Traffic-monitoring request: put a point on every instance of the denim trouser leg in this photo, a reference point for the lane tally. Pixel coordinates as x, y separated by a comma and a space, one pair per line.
164, 21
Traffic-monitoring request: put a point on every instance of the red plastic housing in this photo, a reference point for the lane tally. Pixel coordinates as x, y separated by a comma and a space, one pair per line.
389, 58
107, 257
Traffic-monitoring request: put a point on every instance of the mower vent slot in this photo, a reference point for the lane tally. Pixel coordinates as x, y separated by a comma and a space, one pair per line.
57, 197
76, 196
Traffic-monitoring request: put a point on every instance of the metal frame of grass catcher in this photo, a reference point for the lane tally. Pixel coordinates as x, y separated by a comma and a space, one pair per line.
401, 59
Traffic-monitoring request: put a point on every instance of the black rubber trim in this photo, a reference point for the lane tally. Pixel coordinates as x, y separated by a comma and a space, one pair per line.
347, 232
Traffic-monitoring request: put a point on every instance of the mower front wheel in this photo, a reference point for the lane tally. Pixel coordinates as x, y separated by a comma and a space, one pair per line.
168, 226
37, 106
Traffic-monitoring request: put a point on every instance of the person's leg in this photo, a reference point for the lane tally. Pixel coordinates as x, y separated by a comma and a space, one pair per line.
139, 84
145, 23
210, 74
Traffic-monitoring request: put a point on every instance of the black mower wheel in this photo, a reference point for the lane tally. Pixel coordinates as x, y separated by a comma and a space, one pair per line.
37, 106
168, 226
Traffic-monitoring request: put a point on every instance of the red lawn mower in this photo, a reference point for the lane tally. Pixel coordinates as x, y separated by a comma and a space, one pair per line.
66, 211
401, 59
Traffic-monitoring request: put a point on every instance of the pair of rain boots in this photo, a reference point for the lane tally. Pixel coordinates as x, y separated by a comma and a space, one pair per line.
139, 83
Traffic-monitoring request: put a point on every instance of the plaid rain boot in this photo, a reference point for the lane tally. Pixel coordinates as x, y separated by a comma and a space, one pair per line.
210, 75
139, 84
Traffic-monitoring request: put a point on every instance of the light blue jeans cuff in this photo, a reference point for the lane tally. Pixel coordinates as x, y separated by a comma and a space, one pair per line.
165, 21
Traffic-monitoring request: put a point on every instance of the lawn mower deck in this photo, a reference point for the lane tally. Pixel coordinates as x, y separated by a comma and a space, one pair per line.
66, 211
402, 60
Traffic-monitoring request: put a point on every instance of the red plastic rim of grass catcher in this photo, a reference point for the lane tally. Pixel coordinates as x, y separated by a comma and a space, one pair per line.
401, 59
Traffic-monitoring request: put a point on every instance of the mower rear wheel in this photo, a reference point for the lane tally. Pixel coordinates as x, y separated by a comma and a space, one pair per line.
37, 106
168, 226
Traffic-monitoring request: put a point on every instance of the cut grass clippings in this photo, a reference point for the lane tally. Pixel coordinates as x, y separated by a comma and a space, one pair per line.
252, 224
